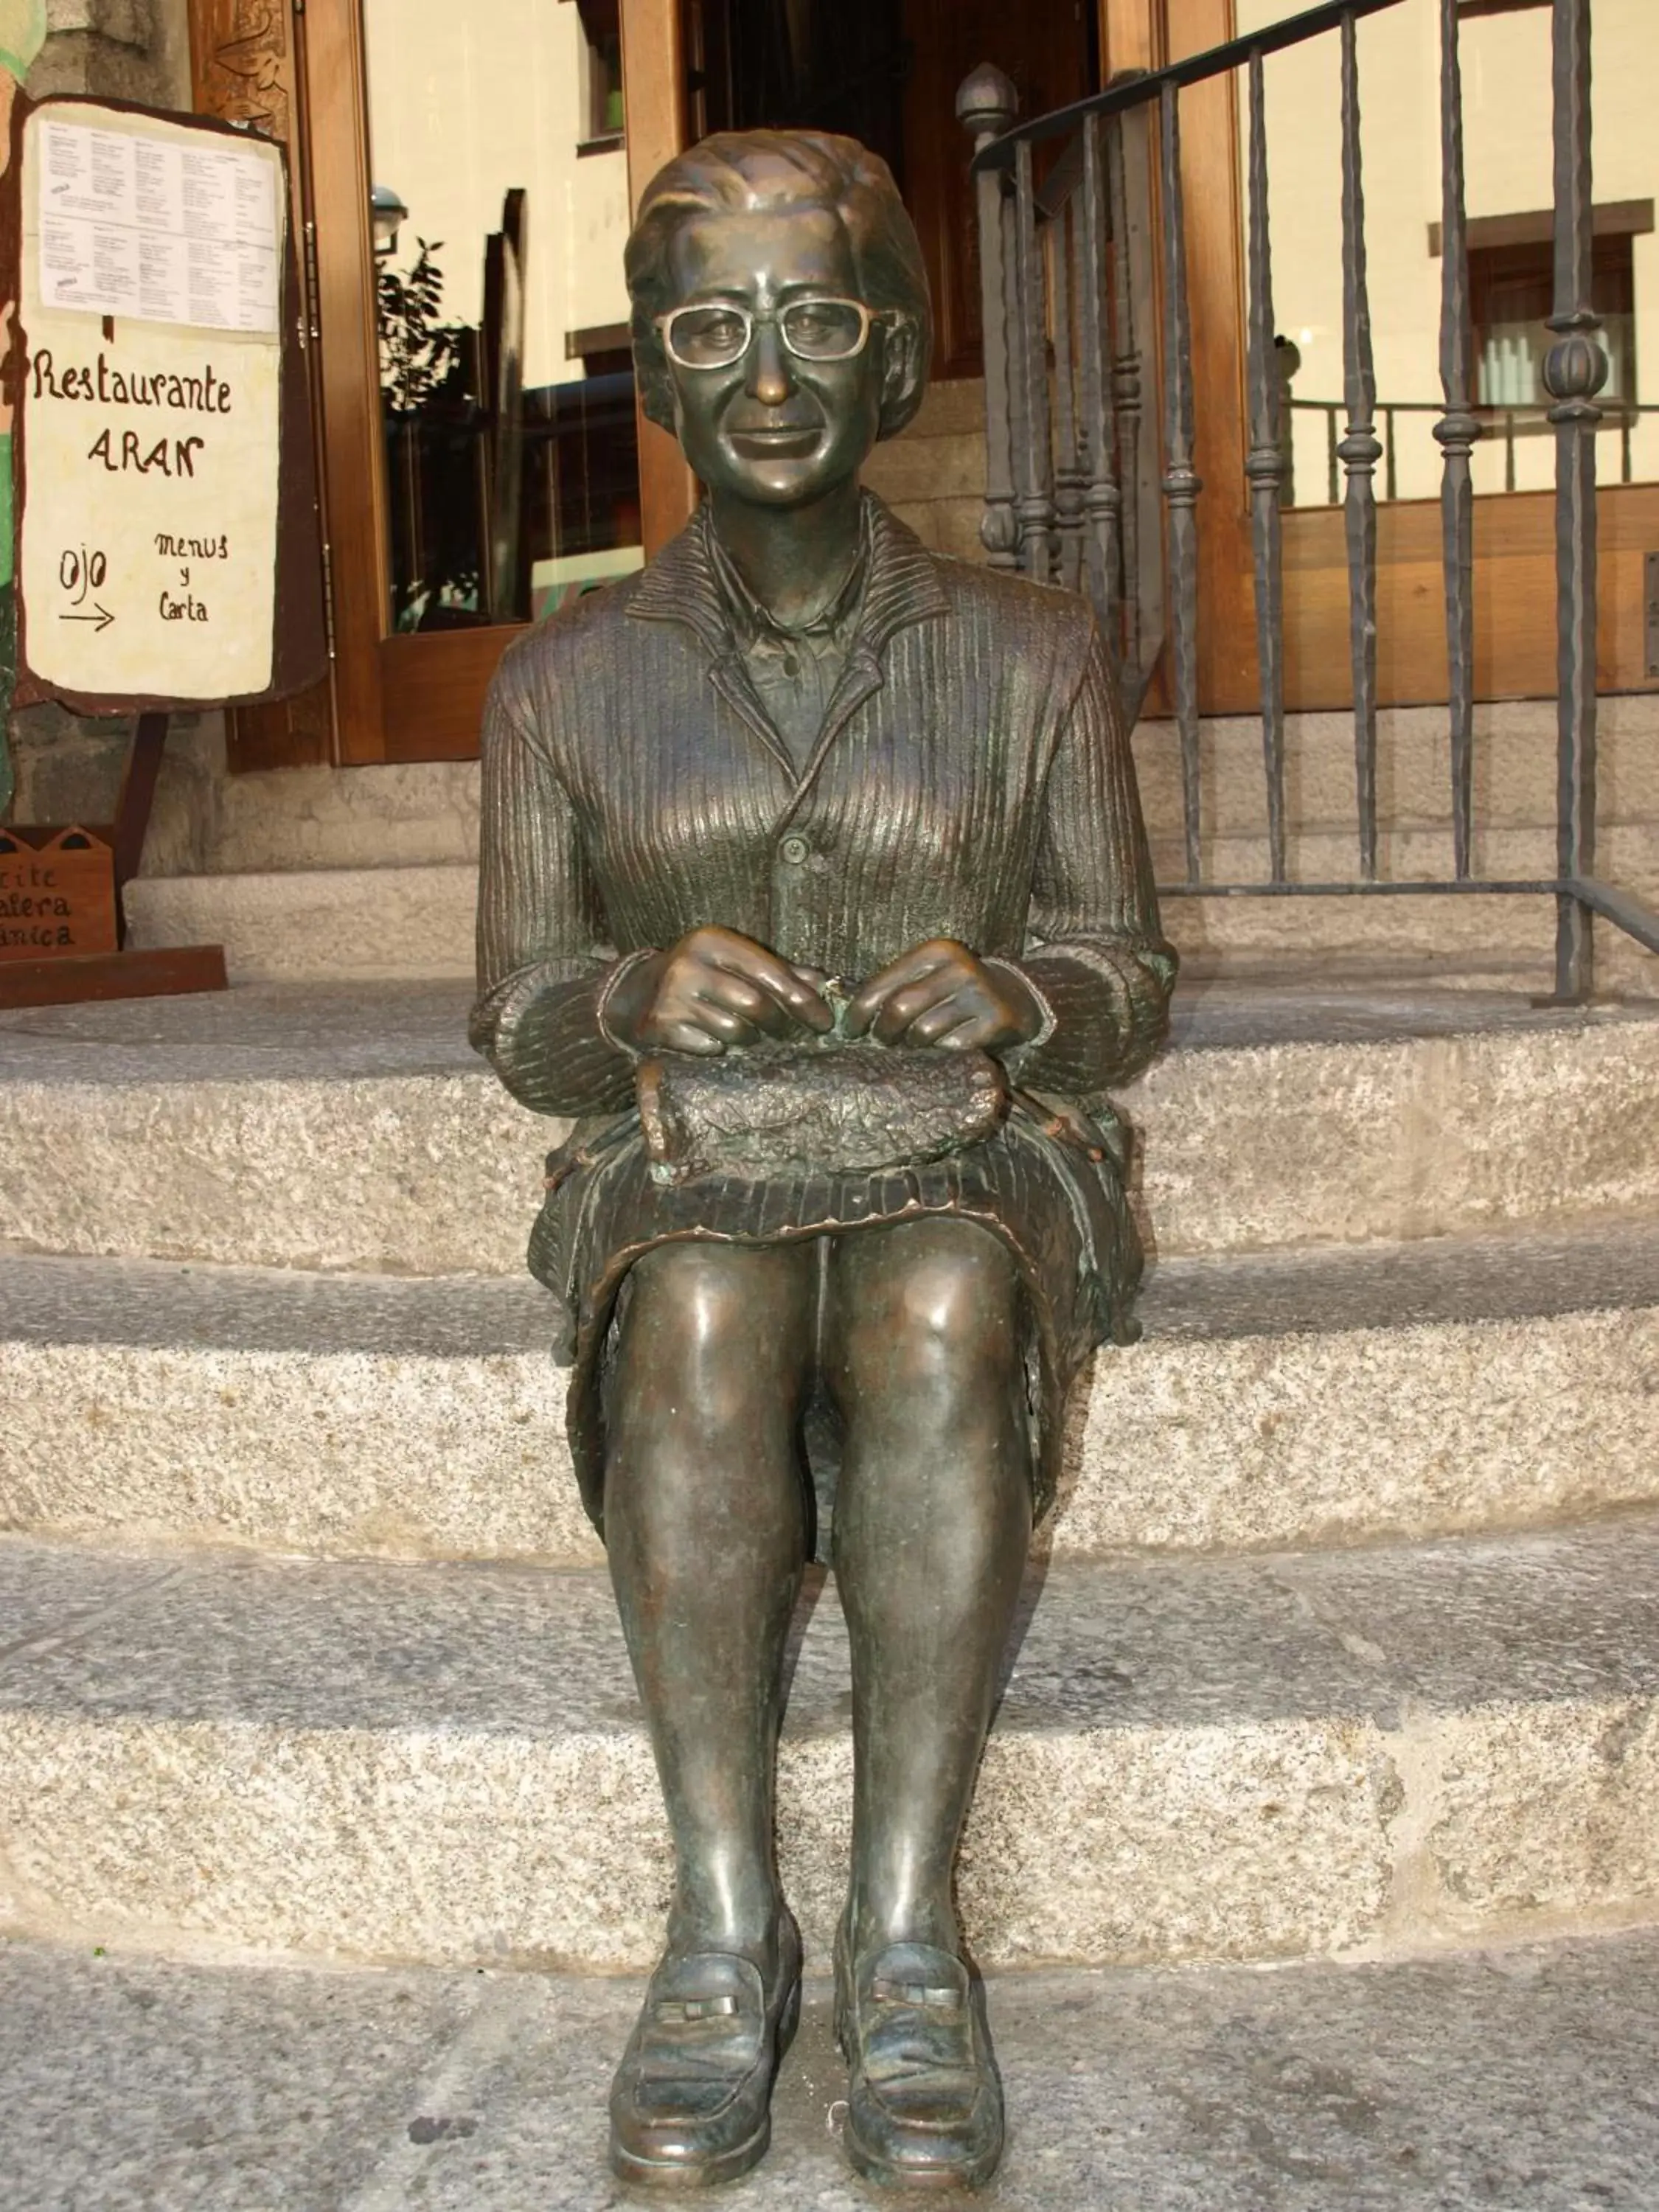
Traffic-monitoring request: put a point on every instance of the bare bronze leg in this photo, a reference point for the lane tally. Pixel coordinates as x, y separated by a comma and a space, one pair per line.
704, 1525
932, 1521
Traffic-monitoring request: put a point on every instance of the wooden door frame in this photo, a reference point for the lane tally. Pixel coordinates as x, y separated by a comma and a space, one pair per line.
253, 78
656, 92
1515, 572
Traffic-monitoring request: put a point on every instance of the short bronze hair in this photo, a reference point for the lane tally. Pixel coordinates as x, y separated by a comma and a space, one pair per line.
740, 170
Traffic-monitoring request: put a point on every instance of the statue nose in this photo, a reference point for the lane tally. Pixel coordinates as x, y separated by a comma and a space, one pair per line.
770, 380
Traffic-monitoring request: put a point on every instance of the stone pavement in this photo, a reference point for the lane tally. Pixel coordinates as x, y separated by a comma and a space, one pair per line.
1346, 1647
1522, 2080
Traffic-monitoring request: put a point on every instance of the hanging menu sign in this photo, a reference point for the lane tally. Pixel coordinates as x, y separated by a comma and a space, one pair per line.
153, 251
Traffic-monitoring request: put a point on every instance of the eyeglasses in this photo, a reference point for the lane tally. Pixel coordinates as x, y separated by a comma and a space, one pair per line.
714, 334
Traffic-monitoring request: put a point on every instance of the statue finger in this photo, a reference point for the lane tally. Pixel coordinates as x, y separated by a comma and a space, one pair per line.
936, 1023
980, 1032
932, 958
689, 1037
765, 969
722, 1021
738, 995
907, 1005
867, 1001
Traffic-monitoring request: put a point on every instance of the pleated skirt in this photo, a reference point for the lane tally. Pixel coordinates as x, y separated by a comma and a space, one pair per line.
1050, 1185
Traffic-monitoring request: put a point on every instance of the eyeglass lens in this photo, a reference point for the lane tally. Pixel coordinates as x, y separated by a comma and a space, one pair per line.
713, 336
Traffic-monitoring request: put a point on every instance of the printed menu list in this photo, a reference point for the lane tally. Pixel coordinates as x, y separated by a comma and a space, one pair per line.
133, 225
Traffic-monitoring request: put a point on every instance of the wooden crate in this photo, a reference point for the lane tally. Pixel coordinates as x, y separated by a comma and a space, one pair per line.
57, 894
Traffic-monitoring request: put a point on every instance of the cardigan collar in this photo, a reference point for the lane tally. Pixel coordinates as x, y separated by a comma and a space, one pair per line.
683, 583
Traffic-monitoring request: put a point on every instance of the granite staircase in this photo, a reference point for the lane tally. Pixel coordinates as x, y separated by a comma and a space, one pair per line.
1341, 1654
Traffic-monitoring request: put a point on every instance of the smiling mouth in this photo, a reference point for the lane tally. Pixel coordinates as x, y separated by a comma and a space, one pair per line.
792, 439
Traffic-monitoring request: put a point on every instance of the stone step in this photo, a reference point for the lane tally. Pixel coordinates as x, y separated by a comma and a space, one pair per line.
1514, 788
1302, 1754
1470, 928
340, 924
1331, 1396
349, 923
1515, 2076
208, 821
350, 1128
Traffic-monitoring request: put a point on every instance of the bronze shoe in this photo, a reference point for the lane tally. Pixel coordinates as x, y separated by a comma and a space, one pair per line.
691, 2102
924, 2100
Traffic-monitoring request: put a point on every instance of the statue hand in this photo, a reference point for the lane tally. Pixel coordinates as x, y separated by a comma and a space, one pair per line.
941, 993
713, 989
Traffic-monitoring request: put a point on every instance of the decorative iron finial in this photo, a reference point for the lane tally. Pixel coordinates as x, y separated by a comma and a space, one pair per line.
987, 103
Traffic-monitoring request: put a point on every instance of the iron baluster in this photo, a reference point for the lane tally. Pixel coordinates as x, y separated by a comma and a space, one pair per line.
1069, 472
1019, 372
1455, 433
1130, 146
1181, 484
986, 104
1034, 505
1264, 467
1360, 451
1102, 499
1574, 370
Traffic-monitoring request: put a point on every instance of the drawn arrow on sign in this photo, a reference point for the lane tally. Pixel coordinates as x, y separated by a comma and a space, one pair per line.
103, 617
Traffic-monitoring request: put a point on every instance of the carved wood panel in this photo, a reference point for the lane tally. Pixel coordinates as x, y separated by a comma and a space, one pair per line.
245, 68
243, 63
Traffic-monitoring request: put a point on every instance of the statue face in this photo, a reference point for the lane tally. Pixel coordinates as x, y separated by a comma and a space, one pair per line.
773, 429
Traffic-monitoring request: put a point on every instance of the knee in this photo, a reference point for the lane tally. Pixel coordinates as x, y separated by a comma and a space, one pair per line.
945, 1316
689, 1298
706, 1341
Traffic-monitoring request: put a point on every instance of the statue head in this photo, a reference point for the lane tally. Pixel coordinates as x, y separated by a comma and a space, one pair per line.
781, 321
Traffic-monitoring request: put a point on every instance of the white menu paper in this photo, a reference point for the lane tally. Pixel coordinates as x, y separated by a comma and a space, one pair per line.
132, 225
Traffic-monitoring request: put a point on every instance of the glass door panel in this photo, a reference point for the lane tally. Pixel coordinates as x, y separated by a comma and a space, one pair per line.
499, 209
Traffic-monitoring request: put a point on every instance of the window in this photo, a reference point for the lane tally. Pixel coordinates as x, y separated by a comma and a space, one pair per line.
1512, 291
601, 61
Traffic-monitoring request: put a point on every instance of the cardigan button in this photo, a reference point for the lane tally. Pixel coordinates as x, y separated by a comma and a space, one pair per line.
794, 850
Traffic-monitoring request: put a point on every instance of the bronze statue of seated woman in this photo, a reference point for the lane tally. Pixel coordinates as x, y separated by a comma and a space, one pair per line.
815, 886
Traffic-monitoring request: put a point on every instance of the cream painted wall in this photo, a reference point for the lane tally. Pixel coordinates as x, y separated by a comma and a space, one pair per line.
465, 102
1507, 131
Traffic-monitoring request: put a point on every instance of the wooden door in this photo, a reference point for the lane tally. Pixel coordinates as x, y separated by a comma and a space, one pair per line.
1049, 51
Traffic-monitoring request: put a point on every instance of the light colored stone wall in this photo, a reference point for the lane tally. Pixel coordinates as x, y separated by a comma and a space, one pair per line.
464, 103
426, 814
934, 476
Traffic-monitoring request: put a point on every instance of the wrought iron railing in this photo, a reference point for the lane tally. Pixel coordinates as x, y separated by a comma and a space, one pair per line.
1505, 426
1081, 491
